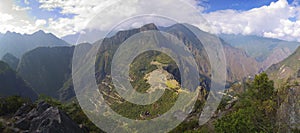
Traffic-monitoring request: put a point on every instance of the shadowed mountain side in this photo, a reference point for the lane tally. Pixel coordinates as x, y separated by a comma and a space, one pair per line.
11, 60
12, 84
46, 69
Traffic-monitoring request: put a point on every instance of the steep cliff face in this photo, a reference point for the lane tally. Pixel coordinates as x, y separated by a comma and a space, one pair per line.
239, 64
289, 111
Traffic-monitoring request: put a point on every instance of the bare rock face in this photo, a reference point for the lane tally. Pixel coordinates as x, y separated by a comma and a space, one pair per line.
289, 111
239, 64
276, 56
45, 119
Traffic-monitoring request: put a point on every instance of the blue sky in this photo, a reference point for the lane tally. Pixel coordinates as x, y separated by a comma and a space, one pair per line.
268, 18
242, 5
37, 13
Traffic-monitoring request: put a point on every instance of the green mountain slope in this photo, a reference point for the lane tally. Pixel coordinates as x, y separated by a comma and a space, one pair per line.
12, 84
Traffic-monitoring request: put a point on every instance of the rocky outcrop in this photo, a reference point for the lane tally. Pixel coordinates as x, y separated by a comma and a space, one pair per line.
289, 111
44, 119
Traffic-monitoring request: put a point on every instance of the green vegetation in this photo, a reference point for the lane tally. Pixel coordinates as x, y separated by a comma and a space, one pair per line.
142, 65
11, 104
1, 127
134, 111
172, 84
255, 111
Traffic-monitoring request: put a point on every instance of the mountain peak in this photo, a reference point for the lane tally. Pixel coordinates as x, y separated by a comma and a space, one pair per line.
150, 26
10, 33
39, 32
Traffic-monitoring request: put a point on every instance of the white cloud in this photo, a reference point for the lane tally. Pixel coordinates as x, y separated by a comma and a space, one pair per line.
15, 18
40, 22
18, 8
269, 21
5, 17
85, 10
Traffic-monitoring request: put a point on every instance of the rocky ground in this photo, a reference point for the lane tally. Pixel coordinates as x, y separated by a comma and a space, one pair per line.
43, 118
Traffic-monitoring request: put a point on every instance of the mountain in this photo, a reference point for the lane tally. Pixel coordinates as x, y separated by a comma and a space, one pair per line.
267, 51
46, 69
18, 44
239, 64
288, 68
152, 68
11, 60
13, 84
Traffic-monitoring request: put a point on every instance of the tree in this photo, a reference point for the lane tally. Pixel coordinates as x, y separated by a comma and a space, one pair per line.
255, 111
262, 88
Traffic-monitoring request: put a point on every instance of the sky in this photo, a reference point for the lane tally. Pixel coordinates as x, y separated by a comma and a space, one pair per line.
268, 18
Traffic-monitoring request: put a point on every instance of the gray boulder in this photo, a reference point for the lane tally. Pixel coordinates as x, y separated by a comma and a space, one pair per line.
45, 119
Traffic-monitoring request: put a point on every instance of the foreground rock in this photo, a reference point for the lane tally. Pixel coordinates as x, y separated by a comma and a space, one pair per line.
289, 111
44, 119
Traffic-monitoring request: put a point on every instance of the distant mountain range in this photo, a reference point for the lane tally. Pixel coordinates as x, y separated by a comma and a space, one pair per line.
266, 51
18, 44
13, 84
